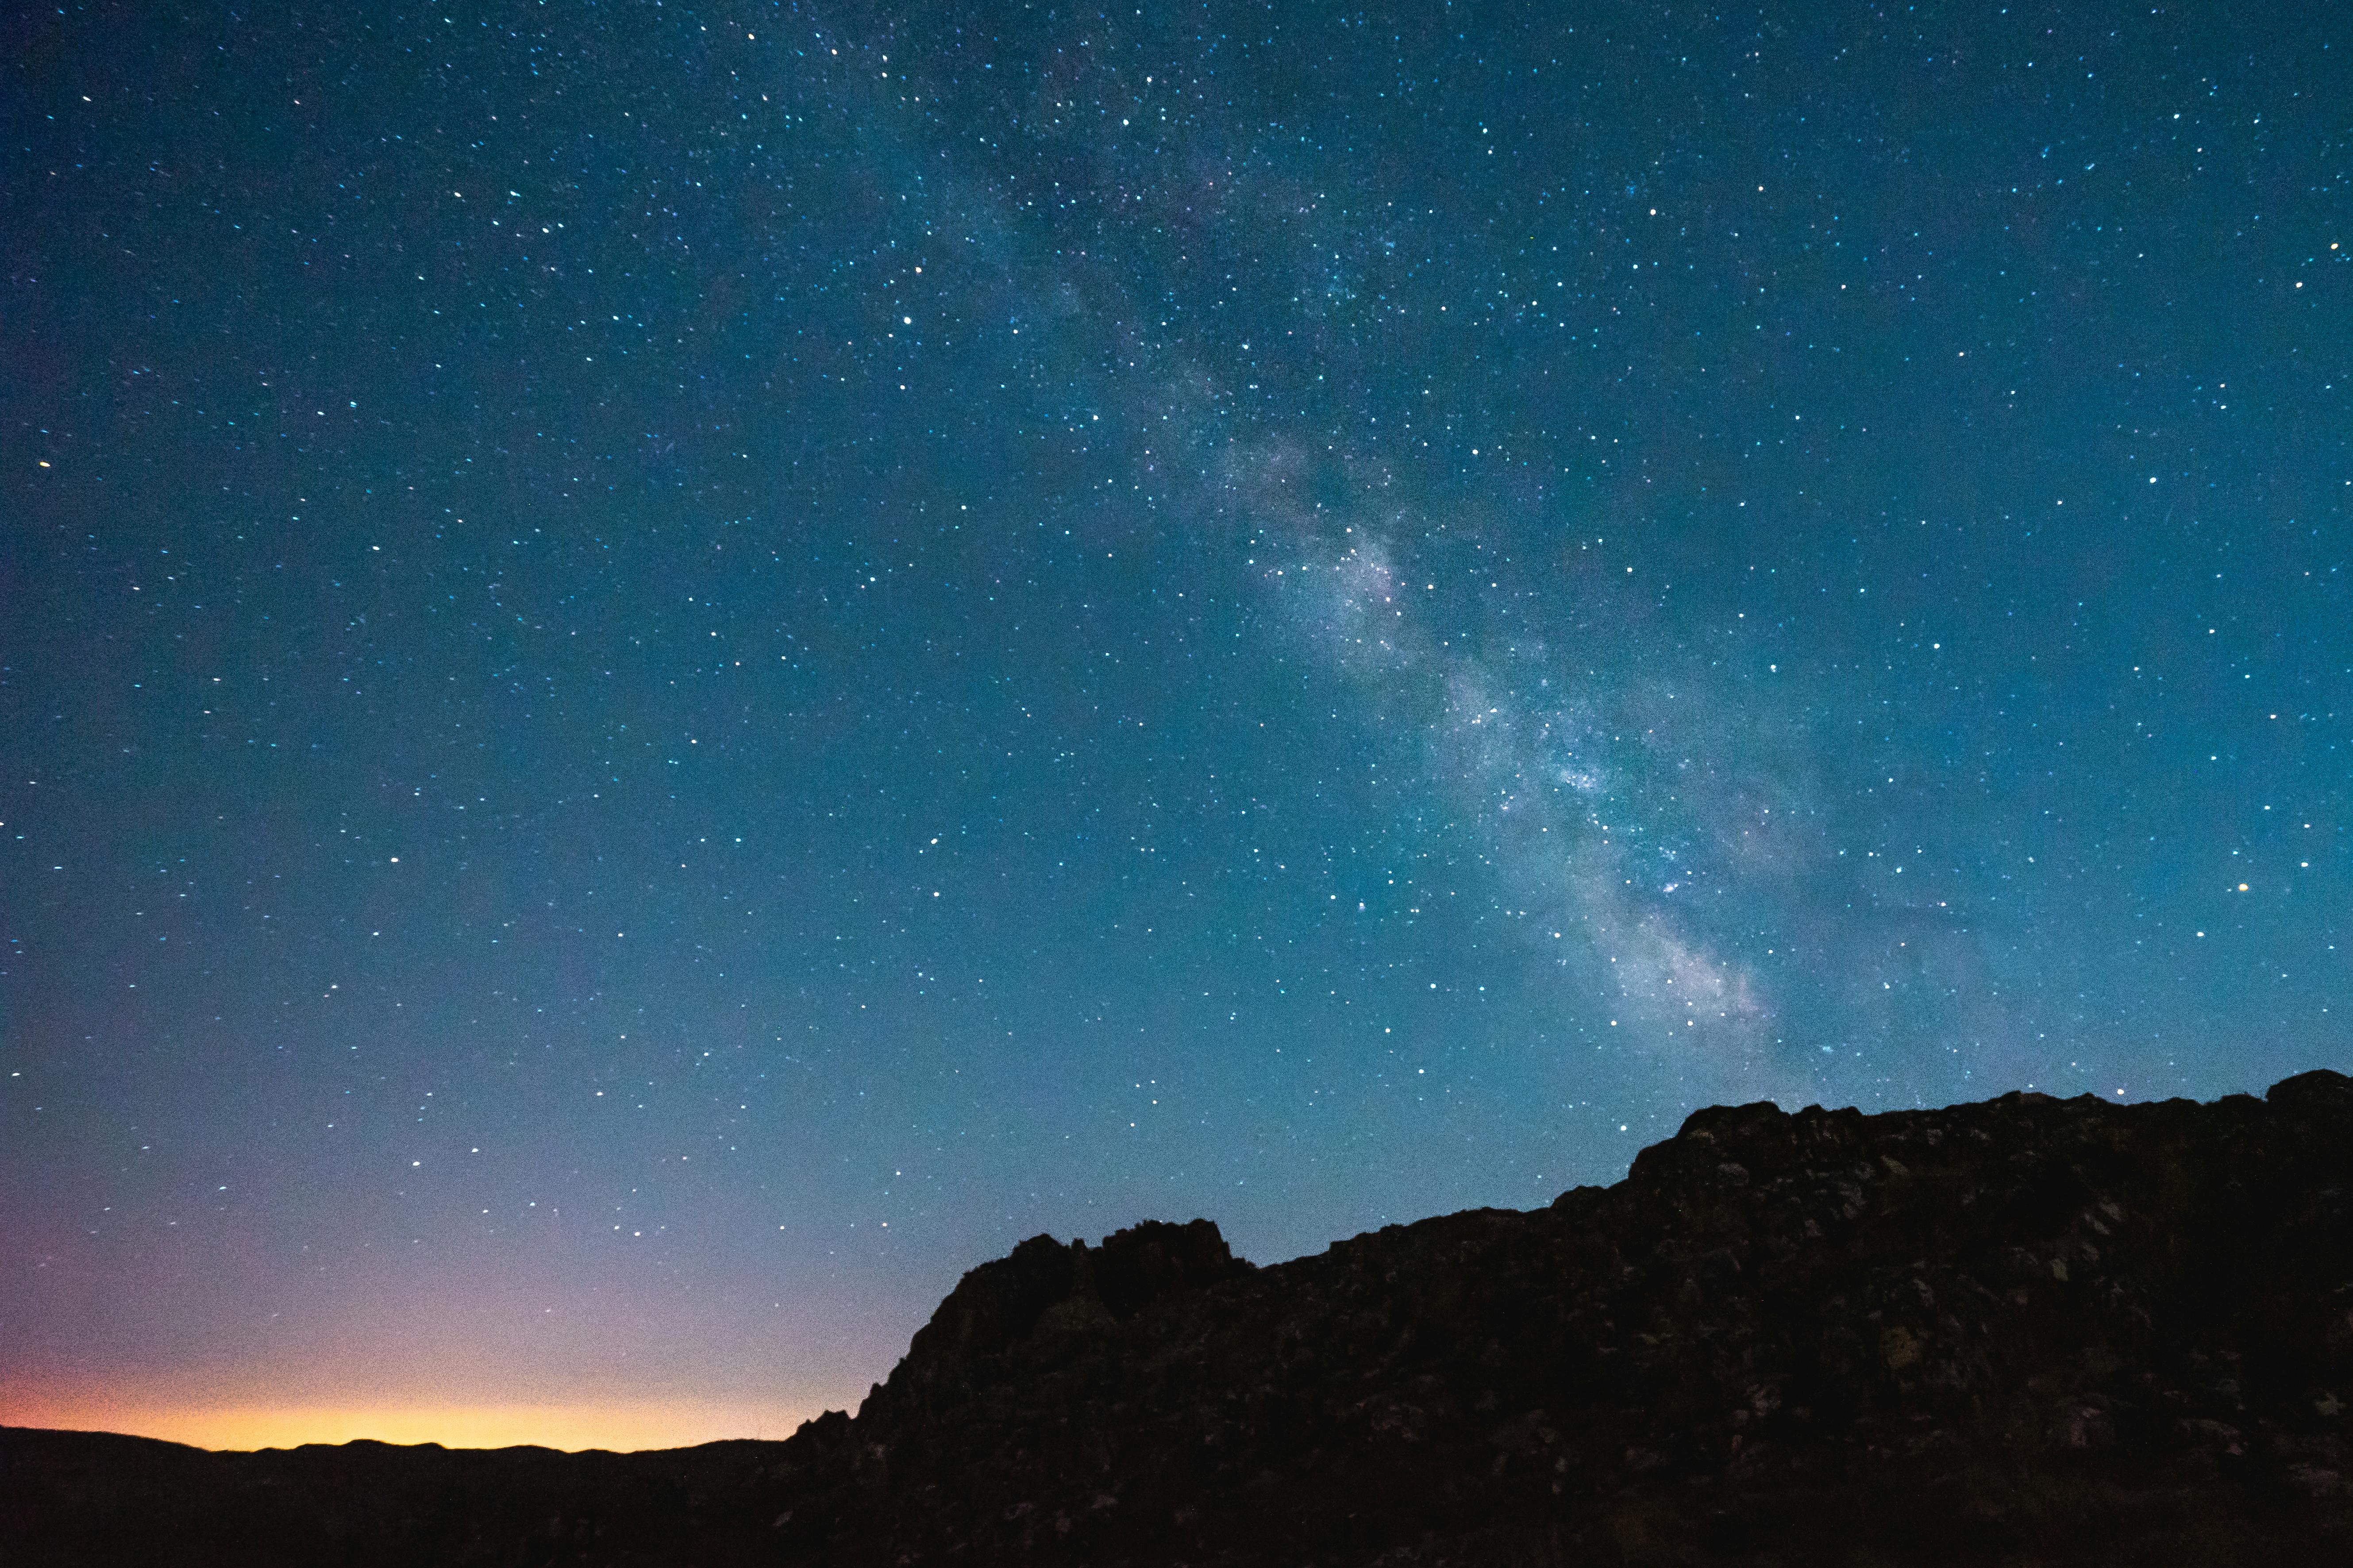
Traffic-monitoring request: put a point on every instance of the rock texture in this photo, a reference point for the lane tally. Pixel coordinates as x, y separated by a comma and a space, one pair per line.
2028, 1331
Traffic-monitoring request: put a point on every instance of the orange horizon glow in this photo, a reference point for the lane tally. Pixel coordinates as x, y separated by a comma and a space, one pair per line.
619, 1427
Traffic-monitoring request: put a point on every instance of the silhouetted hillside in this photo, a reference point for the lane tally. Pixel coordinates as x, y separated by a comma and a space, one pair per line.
2026, 1331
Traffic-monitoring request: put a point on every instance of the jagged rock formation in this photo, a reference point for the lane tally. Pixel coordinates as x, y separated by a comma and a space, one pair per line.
2026, 1331
2021, 1329
1046, 1289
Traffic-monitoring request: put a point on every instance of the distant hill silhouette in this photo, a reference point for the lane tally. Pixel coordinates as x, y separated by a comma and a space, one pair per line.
2024, 1331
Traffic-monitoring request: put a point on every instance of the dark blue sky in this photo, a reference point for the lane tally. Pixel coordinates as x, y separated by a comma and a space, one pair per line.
669, 671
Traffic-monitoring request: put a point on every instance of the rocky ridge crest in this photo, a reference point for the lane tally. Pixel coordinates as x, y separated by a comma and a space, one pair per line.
2027, 1329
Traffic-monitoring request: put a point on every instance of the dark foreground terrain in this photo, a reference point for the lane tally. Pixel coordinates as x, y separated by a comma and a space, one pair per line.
2025, 1331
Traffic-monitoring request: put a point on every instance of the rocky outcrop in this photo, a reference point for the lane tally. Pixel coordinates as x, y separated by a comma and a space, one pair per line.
1044, 1286
2025, 1330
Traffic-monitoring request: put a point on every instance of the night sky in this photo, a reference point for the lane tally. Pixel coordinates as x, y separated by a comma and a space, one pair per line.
668, 672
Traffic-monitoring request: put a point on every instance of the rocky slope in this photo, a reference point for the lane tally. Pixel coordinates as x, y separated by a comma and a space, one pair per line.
2026, 1331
